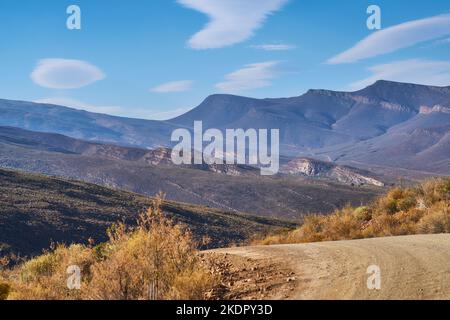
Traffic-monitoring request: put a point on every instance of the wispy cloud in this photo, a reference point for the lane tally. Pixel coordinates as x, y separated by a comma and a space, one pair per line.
429, 72
167, 115
76, 104
231, 21
394, 38
442, 41
174, 86
274, 47
65, 74
252, 76
139, 113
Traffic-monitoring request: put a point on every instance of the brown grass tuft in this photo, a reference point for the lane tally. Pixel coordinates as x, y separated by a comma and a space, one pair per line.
155, 260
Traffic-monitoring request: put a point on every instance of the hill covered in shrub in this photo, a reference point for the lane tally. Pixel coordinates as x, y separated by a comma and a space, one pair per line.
424, 209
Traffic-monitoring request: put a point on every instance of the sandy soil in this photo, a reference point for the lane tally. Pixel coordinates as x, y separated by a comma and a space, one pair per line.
412, 267
249, 279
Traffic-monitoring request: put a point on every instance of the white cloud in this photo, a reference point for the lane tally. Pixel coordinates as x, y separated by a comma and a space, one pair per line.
252, 76
65, 74
443, 41
166, 115
394, 38
76, 104
428, 72
231, 21
274, 47
138, 113
174, 86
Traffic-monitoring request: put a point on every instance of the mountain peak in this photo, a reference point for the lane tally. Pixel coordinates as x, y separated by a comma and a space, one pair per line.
226, 96
325, 92
383, 84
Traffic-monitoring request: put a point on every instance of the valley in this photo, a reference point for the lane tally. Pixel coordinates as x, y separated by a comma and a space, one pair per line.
207, 158
227, 187
67, 176
45, 210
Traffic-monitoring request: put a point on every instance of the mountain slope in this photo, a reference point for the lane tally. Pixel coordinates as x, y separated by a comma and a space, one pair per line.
84, 125
62, 144
321, 118
316, 119
148, 172
421, 143
315, 124
322, 169
36, 210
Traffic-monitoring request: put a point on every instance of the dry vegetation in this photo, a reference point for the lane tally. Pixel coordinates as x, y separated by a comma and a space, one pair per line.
157, 259
424, 209
45, 209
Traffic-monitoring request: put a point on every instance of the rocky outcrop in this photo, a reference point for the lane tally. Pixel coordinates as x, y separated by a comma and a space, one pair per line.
321, 169
436, 108
162, 157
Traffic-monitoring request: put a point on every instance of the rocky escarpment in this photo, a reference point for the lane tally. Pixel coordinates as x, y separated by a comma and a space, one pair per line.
163, 157
329, 170
436, 108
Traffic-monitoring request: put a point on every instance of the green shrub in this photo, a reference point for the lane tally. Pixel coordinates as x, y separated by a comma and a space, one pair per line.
363, 214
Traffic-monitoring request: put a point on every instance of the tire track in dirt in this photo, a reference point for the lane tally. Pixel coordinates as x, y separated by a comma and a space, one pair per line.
412, 267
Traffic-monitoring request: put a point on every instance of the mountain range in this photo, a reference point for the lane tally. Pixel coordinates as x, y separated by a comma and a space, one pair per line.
36, 210
337, 148
388, 124
227, 187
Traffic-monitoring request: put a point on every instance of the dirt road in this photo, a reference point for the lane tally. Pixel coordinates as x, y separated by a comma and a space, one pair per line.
411, 267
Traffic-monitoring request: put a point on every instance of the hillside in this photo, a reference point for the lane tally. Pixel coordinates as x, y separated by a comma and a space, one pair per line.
236, 188
51, 142
36, 210
328, 170
84, 125
424, 208
421, 143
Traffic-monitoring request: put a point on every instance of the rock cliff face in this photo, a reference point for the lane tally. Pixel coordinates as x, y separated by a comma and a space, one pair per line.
322, 169
163, 157
436, 108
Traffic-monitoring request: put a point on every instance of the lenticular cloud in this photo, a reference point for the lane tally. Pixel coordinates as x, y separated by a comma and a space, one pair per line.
65, 74
395, 38
231, 21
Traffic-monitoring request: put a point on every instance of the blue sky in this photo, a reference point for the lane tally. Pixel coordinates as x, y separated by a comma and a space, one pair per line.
158, 58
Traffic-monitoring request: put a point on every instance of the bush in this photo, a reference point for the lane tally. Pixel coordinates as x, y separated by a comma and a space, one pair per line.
424, 209
155, 260
437, 221
363, 214
4, 291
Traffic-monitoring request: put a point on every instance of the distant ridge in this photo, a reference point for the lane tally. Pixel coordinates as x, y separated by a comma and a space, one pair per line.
227, 187
36, 210
310, 125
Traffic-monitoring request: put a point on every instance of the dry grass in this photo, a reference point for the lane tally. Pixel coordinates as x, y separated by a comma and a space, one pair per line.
155, 260
421, 210
35, 209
